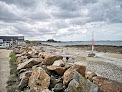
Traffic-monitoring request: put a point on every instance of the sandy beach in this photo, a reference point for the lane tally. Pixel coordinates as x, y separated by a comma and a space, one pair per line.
107, 64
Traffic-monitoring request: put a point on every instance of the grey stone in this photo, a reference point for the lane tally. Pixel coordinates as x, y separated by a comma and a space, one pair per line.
81, 84
58, 87
53, 82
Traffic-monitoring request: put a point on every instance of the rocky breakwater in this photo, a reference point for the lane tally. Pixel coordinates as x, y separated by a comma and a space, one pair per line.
44, 72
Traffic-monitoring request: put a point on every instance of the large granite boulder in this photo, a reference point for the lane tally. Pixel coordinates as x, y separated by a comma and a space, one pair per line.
49, 59
68, 74
59, 70
68, 65
36, 52
18, 55
20, 59
24, 81
42, 90
53, 82
28, 64
33, 90
22, 70
58, 87
30, 52
24, 53
58, 63
107, 85
39, 79
43, 55
21, 75
45, 90
81, 84
90, 75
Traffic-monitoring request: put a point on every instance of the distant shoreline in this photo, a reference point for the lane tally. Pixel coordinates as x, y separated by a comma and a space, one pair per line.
79, 41
99, 48
104, 43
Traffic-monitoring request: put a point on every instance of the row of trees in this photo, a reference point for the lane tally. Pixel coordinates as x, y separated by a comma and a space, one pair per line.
51, 40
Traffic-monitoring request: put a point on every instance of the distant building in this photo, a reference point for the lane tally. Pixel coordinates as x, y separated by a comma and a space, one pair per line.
7, 41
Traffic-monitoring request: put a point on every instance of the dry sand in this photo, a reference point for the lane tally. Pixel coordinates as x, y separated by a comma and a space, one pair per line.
4, 69
113, 55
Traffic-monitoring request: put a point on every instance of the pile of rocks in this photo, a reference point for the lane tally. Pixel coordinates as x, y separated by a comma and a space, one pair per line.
44, 72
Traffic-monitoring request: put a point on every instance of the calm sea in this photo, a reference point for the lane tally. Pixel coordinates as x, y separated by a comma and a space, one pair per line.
112, 43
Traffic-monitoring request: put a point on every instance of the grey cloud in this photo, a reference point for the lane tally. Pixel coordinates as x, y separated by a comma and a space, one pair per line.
109, 11
59, 24
66, 14
39, 16
63, 4
21, 3
89, 1
11, 13
80, 21
67, 5
32, 32
6, 13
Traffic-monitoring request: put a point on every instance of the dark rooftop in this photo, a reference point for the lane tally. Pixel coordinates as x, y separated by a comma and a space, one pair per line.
14, 38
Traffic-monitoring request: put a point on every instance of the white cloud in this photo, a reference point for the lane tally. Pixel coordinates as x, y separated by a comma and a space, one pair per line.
61, 19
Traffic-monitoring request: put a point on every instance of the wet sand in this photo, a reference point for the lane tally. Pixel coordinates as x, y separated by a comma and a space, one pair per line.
100, 48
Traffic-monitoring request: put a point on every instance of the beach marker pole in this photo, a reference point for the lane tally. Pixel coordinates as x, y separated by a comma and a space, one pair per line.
92, 54
92, 42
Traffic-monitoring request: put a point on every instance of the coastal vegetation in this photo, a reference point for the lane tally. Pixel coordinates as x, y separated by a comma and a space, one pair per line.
13, 80
30, 42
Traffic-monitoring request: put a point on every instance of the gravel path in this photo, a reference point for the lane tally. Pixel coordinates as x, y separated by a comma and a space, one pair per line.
4, 69
101, 68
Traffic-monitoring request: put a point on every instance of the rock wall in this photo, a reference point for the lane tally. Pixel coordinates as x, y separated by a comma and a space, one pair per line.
44, 72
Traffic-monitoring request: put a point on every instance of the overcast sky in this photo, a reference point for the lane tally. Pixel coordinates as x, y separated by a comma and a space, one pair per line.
64, 20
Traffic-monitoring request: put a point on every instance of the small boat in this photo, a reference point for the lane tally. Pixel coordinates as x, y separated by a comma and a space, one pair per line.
92, 54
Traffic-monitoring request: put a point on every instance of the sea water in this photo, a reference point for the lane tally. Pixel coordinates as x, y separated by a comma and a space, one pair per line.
111, 43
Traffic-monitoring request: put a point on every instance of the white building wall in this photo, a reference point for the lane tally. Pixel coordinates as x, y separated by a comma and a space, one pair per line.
4, 45
21, 42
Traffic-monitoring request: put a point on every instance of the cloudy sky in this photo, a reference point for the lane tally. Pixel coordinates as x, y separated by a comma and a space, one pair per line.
64, 20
